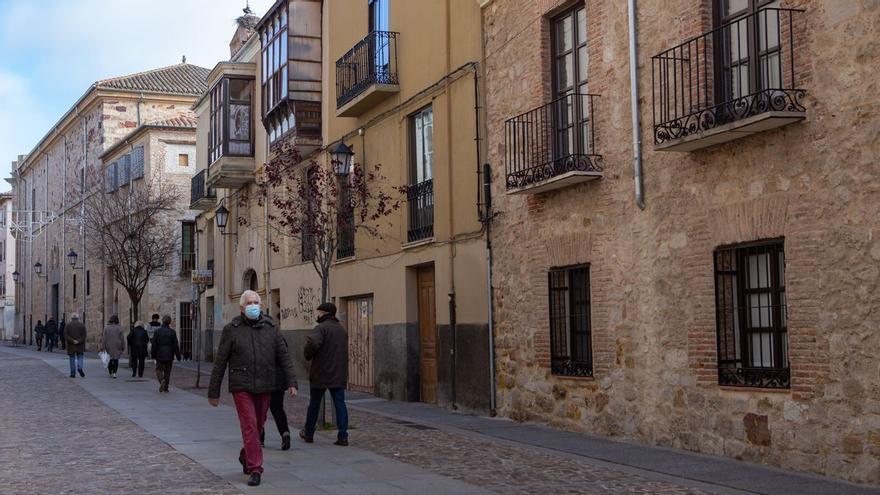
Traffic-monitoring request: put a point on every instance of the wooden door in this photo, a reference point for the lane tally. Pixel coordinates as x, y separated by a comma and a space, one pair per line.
359, 323
427, 335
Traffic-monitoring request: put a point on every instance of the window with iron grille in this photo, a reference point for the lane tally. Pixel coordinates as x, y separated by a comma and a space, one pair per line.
752, 328
188, 247
570, 329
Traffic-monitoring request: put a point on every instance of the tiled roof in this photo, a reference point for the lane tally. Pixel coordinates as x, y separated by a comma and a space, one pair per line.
183, 78
184, 121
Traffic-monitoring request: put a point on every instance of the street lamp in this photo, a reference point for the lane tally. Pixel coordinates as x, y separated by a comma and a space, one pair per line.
15, 276
342, 156
71, 258
221, 217
38, 269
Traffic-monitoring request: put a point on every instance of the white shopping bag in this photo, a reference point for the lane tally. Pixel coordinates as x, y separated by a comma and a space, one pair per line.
105, 358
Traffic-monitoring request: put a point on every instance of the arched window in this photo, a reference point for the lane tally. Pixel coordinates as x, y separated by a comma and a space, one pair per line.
250, 280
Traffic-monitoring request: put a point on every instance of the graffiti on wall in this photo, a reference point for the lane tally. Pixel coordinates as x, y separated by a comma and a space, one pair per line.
304, 309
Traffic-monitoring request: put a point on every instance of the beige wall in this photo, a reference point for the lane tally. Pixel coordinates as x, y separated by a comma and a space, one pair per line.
429, 47
653, 309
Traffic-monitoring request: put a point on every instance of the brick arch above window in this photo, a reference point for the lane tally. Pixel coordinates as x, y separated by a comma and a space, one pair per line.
763, 218
569, 249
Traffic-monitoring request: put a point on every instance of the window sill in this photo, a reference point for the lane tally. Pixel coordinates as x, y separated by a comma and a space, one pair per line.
345, 260
763, 390
415, 244
575, 378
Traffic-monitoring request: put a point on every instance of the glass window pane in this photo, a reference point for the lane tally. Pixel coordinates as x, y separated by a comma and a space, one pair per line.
762, 350
283, 43
565, 73
428, 130
564, 34
583, 58
734, 6
582, 25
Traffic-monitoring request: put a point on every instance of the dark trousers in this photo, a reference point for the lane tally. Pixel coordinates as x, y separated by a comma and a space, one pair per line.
137, 366
50, 342
163, 372
338, 396
276, 407
113, 366
39, 342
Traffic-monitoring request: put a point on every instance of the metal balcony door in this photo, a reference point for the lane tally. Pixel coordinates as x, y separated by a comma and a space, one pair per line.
380, 48
570, 61
186, 329
359, 323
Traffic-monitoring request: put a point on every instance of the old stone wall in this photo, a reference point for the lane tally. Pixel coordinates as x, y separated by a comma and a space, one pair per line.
813, 183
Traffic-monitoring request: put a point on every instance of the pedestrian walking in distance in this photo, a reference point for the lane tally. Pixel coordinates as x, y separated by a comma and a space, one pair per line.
39, 330
51, 334
75, 335
137, 346
253, 348
327, 349
113, 344
151, 330
164, 349
61, 333
276, 407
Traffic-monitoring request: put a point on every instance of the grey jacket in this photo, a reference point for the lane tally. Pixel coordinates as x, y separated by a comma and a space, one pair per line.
252, 351
327, 348
75, 331
114, 340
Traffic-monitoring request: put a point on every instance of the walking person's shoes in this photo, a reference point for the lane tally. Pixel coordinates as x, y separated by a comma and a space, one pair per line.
302, 434
81, 373
342, 442
114, 374
285, 441
73, 376
254, 479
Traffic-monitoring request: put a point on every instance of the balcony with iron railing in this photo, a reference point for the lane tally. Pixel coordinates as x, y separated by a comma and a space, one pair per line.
201, 197
552, 146
736, 80
366, 74
420, 203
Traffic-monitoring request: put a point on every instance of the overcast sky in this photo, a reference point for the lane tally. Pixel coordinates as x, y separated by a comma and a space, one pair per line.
51, 51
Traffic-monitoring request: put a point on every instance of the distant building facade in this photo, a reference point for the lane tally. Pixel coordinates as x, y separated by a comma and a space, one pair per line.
49, 185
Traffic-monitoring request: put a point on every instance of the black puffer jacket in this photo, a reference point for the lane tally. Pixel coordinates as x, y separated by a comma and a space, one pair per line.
253, 351
165, 345
137, 342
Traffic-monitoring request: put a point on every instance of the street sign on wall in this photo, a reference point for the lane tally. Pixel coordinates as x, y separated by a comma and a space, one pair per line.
203, 277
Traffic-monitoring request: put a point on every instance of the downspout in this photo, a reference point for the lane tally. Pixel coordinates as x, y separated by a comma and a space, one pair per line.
484, 181
46, 246
634, 96
82, 217
450, 210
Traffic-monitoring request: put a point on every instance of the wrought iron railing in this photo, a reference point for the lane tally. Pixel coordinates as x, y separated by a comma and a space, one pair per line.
187, 262
198, 190
345, 233
420, 202
730, 374
737, 70
551, 140
373, 60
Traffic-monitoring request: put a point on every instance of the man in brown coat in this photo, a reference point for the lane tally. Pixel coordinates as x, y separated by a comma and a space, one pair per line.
327, 348
75, 338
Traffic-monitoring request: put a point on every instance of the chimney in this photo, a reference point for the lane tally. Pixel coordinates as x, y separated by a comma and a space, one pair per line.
246, 24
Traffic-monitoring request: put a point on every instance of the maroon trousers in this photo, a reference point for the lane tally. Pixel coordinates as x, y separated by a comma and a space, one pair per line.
252, 410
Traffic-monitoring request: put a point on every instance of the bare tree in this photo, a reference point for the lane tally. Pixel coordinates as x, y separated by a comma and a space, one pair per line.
322, 209
133, 232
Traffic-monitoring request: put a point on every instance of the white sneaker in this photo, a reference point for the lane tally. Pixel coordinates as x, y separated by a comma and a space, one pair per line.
114, 375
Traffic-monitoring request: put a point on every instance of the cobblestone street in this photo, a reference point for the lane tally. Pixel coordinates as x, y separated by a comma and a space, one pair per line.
59, 439
120, 436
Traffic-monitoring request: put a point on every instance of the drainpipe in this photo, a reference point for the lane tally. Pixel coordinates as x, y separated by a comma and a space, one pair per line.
450, 209
634, 96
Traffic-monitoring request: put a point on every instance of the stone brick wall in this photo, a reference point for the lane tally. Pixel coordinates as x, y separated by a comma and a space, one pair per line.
651, 272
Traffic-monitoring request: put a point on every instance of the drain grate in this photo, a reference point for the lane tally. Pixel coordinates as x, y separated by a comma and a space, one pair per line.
414, 426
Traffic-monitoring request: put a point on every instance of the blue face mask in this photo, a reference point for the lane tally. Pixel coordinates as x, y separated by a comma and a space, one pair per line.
252, 311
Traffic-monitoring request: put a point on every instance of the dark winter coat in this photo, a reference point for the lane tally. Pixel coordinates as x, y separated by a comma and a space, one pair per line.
61, 329
165, 345
137, 342
39, 330
113, 340
254, 351
75, 331
327, 348
51, 328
